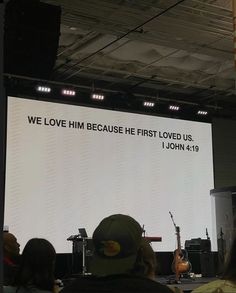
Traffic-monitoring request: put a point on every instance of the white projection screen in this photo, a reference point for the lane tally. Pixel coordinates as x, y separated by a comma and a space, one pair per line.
70, 166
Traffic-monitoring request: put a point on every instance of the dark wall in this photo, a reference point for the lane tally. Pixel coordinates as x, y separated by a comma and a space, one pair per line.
224, 150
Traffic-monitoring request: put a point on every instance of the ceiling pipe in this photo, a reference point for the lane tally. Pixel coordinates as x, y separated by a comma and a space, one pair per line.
121, 37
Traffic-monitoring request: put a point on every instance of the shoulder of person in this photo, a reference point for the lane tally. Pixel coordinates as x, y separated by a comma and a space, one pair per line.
119, 283
175, 289
12, 289
223, 286
9, 289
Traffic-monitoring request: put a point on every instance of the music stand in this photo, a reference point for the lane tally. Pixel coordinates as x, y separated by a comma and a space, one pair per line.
75, 242
84, 236
83, 233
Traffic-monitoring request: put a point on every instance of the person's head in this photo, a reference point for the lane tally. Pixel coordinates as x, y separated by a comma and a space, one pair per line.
230, 268
37, 265
117, 241
11, 248
147, 259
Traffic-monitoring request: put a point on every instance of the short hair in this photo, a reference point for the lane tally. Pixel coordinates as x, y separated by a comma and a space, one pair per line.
37, 265
11, 247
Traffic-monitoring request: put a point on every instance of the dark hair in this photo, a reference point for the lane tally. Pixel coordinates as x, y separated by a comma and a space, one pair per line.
37, 265
230, 268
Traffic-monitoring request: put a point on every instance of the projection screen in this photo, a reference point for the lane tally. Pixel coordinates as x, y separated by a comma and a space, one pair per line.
70, 166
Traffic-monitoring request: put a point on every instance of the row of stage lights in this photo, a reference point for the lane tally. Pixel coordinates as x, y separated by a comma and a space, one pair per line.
174, 108
101, 97
66, 92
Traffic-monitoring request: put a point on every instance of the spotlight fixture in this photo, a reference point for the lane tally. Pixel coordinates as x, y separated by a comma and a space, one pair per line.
96, 96
148, 104
173, 108
66, 92
202, 112
43, 89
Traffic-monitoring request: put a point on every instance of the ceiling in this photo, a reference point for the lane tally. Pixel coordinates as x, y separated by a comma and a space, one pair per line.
166, 50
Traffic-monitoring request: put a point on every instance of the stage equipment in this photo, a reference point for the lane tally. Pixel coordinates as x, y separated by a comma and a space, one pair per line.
153, 238
198, 244
82, 245
180, 264
201, 257
204, 263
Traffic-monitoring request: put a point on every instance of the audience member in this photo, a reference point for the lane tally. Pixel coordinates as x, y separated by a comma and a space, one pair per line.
36, 269
150, 263
11, 249
148, 259
118, 264
227, 284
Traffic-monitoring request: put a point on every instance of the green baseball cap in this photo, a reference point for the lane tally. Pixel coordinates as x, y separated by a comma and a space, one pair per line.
117, 240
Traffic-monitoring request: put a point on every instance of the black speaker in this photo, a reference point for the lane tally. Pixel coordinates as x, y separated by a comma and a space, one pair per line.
207, 265
198, 244
31, 37
203, 263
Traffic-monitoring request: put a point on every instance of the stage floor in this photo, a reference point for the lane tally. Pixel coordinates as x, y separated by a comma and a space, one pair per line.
187, 284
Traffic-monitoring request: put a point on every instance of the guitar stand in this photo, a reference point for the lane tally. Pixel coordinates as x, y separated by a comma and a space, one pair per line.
171, 280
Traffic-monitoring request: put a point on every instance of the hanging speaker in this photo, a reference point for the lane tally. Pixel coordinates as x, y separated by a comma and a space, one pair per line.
31, 37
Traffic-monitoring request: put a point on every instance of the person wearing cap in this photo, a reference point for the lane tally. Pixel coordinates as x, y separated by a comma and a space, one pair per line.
11, 250
118, 264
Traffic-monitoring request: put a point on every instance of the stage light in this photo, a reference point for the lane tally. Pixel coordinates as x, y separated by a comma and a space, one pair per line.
202, 112
68, 92
148, 104
96, 96
173, 108
43, 89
